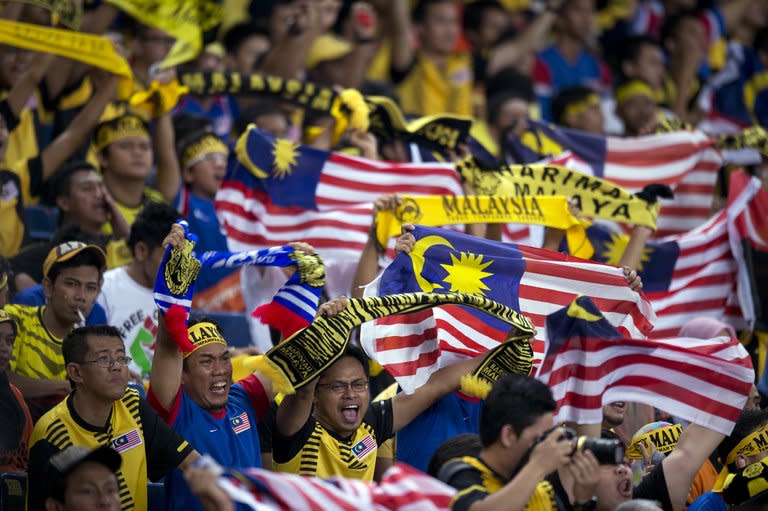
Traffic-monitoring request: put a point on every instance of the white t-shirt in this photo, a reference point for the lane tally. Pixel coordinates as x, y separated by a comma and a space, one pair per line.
131, 309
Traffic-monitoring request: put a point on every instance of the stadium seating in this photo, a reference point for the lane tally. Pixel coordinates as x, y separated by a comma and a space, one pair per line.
41, 221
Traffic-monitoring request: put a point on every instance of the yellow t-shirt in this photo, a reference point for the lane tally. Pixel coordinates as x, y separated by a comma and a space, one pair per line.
36, 352
125, 431
428, 90
315, 451
118, 253
11, 213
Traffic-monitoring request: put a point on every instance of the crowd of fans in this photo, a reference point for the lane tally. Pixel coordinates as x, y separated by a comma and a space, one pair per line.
96, 396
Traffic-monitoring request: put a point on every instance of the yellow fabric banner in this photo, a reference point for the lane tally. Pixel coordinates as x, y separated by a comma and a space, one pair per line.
186, 20
595, 197
96, 51
437, 210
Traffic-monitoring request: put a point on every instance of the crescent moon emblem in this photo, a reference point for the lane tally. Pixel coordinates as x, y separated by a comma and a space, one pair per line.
417, 259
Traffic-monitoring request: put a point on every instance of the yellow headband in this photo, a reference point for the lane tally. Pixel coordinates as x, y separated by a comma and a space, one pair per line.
664, 439
754, 443
202, 334
579, 106
208, 143
121, 127
633, 88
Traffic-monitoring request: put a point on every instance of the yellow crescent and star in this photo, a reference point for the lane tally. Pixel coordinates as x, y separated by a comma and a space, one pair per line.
466, 270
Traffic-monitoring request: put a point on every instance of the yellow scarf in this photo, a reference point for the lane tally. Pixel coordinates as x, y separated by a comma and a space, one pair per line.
595, 197
437, 210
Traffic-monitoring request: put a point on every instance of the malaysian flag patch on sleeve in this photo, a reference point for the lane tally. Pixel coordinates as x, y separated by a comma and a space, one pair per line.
241, 423
364, 447
127, 441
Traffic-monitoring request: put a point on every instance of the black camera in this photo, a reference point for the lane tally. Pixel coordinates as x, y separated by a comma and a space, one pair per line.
607, 451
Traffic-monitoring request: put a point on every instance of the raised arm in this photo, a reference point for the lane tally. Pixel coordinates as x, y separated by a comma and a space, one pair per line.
80, 128
295, 409
167, 362
407, 407
28, 82
368, 264
168, 171
400, 33
681, 465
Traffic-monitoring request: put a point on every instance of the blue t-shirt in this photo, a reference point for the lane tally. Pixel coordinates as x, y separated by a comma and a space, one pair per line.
450, 416
231, 437
35, 296
709, 501
552, 73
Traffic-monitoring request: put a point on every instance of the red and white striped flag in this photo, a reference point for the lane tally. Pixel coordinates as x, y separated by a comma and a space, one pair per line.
402, 488
586, 365
322, 198
686, 161
534, 281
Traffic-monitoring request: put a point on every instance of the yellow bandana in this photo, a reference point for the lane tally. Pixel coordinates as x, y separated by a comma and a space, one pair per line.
579, 106
196, 151
633, 88
664, 439
595, 197
121, 127
754, 443
203, 334
436, 210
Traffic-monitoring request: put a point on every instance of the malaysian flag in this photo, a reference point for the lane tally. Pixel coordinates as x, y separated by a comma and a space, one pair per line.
323, 198
534, 281
127, 441
364, 447
240, 423
588, 364
402, 488
703, 272
686, 161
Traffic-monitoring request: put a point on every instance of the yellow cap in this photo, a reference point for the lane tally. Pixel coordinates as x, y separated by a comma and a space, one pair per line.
327, 47
67, 251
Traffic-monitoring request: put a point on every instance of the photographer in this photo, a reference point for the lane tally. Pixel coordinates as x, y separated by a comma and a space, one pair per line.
519, 449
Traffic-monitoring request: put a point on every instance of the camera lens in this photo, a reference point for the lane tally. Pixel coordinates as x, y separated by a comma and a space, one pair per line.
607, 452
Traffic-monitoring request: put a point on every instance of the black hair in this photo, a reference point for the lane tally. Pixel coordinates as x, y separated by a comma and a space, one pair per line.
152, 225
761, 40
748, 421
187, 126
60, 182
420, 11
235, 36
379, 88
473, 14
251, 112
516, 400
465, 444
631, 47
75, 344
358, 354
566, 97
511, 81
72, 232
672, 24
84, 258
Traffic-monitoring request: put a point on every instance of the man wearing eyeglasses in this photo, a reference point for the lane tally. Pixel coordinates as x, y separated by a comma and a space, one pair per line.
102, 411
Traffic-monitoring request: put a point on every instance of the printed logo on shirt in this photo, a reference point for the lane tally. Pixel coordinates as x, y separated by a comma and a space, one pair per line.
127, 441
364, 447
241, 423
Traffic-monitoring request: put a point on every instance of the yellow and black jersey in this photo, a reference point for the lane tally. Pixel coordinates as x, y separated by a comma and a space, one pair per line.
118, 253
149, 447
24, 132
475, 480
315, 451
426, 89
36, 352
